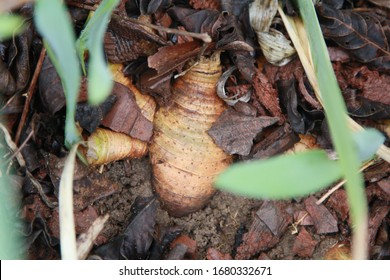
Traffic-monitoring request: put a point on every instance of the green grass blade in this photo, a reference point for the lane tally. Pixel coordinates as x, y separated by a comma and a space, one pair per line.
99, 77
10, 25
368, 142
336, 115
281, 177
54, 24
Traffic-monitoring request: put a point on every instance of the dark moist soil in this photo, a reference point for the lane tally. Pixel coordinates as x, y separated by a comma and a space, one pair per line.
216, 226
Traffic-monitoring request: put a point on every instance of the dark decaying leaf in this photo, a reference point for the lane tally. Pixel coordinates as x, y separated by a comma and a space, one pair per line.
7, 82
323, 220
360, 32
260, 237
89, 117
138, 235
137, 238
126, 117
19, 58
304, 244
126, 41
163, 238
234, 132
235, 7
278, 141
381, 3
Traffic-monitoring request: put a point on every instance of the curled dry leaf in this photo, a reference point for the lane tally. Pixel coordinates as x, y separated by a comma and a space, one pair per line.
185, 159
105, 146
276, 47
231, 100
234, 132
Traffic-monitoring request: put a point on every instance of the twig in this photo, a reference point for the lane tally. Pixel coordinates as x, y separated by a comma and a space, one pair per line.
30, 94
201, 36
11, 144
341, 183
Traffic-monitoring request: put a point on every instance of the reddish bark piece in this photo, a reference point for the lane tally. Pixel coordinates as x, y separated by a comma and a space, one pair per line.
190, 243
378, 212
214, 254
203, 4
323, 220
272, 213
83, 221
338, 201
385, 185
125, 116
267, 95
257, 239
370, 83
234, 132
260, 237
263, 256
303, 218
304, 244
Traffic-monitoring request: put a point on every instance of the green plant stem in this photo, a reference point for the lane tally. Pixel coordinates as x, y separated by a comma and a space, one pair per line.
336, 115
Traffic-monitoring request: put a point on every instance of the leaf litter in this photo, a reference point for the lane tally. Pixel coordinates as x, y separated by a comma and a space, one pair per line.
280, 111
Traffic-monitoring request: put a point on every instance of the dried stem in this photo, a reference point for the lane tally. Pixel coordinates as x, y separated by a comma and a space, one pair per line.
30, 94
201, 36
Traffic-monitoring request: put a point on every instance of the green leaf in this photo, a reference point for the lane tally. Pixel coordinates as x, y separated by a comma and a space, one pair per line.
281, 177
54, 24
99, 77
10, 25
368, 142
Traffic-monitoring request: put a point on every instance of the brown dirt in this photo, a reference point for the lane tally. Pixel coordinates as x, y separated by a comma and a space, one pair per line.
215, 226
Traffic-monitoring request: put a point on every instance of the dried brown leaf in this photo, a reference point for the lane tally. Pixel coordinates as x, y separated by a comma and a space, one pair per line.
359, 32
126, 41
126, 117
234, 132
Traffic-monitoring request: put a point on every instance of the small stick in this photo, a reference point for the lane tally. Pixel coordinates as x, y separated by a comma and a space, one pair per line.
202, 36
30, 94
340, 184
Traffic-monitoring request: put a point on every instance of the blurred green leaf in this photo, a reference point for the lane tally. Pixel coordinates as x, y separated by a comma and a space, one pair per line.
55, 25
99, 76
281, 177
10, 25
368, 142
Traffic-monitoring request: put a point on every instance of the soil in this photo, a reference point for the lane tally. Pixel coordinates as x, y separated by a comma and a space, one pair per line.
216, 226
